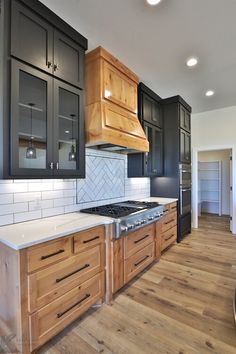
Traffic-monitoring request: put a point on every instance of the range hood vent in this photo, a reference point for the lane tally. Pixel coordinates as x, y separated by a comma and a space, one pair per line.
111, 105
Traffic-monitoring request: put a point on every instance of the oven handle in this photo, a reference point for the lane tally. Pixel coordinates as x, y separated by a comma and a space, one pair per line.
185, 189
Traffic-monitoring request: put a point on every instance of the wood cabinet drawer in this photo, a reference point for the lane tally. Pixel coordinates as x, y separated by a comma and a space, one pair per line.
52, 318
169, 221
169, 237
136, 240
48, 253
136, 263
173, 207
88, 238
50, 283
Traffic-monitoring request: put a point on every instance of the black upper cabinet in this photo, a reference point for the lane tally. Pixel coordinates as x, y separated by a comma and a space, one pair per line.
150, 114
36, 42
43, 66
47, 125
68, 60
184, 119
31, 38
153, 160
151, 110
185, 146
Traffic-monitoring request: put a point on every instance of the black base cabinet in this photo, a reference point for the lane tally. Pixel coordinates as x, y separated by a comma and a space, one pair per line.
41, 89
150, 115
176, 180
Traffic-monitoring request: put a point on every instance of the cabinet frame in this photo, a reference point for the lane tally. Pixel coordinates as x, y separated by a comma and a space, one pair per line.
15, 170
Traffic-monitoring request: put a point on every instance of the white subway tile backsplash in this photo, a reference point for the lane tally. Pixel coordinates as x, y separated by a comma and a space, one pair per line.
63, 202
26, 197
40, 186
13, 187
106, 182
6, 219
52, 212
30, 215
13, 208
6, 198
40, 204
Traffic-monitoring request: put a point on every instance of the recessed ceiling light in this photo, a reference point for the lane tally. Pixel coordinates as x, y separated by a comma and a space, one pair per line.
153, 2
209, 93
192, 61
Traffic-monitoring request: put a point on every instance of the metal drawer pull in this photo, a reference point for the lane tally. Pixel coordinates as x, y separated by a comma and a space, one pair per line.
141, 239
91, 239
142, 260
168, 222
72, 273
52, 254
169, 237
60, 314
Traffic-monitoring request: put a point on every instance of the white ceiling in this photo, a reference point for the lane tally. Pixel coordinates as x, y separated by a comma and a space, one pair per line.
155, 41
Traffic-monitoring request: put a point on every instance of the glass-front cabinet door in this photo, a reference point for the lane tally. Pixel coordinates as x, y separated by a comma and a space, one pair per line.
31, 122
153, 161
68, 130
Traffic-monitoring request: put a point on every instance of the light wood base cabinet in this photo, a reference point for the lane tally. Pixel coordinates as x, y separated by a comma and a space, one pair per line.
47, 286
168, 227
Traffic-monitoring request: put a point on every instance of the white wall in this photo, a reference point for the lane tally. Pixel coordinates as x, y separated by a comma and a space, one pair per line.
214, 130
106, 182
223, 156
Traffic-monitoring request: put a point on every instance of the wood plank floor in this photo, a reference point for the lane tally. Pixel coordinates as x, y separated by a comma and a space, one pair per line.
181, 305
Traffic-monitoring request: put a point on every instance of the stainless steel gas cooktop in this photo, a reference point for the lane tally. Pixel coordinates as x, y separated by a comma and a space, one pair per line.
128, 215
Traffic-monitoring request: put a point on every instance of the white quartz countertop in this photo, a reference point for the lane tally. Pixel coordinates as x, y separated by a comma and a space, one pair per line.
29, 233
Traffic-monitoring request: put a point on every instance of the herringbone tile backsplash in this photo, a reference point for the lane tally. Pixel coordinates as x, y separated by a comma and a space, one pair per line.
106, 182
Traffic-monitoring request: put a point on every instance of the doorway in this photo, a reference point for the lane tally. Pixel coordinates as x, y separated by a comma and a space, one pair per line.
215, 188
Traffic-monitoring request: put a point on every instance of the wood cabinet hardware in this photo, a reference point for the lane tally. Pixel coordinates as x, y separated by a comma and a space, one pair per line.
55, 67
60, 314
143, 238
49, 64
52, 254
72, 273
91, 239
141, 261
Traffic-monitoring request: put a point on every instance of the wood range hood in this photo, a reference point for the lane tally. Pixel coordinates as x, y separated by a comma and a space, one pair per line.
111, 121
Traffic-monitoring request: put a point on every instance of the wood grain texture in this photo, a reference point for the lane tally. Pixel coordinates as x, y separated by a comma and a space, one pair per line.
111, 103
181, 305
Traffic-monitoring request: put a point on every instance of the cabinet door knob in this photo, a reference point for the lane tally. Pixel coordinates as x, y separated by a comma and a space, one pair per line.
49, 64
55, 67
51, 165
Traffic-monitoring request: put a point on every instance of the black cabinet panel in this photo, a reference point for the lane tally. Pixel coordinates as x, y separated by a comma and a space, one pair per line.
184, 226
68, 60
185, 146
68, 130
185, 119
31, 122
151, 110
31, 38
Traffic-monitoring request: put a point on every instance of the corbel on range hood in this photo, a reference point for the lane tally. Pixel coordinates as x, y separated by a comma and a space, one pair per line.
111, 121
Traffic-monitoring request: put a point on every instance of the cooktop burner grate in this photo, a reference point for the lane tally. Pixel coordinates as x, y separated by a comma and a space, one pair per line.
112, 210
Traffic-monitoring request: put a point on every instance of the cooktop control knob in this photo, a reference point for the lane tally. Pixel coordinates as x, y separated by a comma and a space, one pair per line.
150, 217
138, 223
124, 228
143, 221
130, 226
